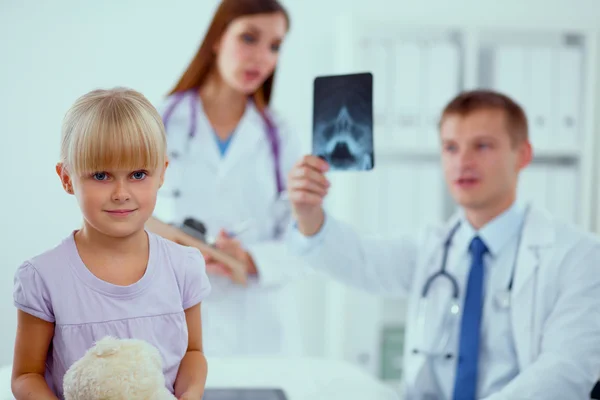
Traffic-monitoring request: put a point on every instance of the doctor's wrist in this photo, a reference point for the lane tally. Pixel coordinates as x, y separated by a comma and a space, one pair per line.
311, 222
250, 265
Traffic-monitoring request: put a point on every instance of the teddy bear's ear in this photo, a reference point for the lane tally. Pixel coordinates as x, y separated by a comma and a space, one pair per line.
106, 346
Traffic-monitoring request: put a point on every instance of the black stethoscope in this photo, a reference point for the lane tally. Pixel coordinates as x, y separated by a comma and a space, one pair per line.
502, 299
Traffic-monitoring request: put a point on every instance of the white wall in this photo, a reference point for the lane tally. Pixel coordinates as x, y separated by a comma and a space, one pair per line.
52, 52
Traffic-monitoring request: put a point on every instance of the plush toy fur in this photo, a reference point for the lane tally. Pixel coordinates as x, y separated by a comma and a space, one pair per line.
117, 369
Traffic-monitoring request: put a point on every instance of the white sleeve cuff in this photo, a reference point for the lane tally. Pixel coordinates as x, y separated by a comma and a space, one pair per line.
301, 244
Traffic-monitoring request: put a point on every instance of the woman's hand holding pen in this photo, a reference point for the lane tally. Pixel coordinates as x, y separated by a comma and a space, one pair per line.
233, 247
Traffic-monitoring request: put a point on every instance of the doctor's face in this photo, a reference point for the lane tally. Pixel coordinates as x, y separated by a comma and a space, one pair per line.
248, 51
481, 163
116, 203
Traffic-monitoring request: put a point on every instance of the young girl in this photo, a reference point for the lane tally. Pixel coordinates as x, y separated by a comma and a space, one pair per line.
111, 277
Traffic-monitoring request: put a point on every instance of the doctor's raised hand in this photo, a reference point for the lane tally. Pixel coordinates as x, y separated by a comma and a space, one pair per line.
307, 188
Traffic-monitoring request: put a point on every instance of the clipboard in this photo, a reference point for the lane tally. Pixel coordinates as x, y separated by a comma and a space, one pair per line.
238, 268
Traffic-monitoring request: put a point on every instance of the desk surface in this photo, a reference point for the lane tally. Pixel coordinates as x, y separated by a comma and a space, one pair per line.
301, 379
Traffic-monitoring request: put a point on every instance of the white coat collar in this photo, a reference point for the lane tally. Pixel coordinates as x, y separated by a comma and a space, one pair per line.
538, 233
538, 229
249, 133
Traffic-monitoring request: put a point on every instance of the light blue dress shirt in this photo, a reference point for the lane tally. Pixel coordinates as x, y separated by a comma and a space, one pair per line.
223, 144
498, 363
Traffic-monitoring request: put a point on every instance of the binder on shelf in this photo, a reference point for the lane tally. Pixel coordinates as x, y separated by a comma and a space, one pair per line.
563, 186
542, 95
442, 81
511, 75
569, 96
533, 185
408, 93
373, 57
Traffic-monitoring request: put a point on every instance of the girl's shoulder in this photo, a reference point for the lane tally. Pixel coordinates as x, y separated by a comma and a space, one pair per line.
188, 266
43, 277
51, 264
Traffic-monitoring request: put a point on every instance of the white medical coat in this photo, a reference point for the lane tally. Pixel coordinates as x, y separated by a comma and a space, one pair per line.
222, 192
555, 312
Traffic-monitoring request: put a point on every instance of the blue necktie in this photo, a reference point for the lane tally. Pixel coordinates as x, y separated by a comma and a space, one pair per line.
465, 385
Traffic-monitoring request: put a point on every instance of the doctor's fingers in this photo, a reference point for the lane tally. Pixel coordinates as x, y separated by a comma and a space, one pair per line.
307, 173
314, 162
305, 198
307, 185
216, 268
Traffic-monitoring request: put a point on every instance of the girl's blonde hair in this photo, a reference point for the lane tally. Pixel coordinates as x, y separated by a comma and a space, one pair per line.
116, 129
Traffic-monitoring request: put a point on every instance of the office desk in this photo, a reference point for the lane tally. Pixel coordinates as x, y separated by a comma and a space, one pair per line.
301, 379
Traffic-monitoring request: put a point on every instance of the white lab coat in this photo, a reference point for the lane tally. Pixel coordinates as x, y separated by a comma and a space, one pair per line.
223, 192
555, 311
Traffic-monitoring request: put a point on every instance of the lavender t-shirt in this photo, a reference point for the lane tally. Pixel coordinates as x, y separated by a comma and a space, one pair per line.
57, 287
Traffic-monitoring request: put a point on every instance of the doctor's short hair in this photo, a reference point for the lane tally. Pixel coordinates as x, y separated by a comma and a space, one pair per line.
112, 129
468, 102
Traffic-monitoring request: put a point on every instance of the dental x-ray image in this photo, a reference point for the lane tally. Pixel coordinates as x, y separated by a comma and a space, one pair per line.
343, 121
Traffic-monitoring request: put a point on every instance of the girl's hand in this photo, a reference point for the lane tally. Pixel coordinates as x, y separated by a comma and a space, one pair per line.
191, 396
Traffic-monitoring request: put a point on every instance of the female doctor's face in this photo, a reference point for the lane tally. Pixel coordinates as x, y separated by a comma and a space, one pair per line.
481, 162
248, 51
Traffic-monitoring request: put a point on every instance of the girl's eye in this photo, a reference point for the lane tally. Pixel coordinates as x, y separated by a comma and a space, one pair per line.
138, 175
100, 176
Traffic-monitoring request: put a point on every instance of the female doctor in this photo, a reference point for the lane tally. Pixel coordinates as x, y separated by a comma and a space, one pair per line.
228, 158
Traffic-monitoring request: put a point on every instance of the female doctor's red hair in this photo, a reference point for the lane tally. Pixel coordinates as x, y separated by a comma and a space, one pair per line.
205, 59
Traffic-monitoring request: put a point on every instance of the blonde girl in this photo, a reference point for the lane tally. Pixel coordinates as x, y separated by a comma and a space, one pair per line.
110, 276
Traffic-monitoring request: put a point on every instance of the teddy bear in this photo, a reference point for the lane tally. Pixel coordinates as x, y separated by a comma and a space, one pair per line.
117, 369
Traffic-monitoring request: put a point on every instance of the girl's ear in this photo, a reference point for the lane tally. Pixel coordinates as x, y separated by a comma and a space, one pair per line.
65, 179
162, 174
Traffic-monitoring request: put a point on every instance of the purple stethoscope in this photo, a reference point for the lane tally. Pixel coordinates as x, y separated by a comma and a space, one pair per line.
271, 129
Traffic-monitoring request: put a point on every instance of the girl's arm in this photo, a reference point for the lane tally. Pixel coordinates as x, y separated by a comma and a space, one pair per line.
191, 377
31, 348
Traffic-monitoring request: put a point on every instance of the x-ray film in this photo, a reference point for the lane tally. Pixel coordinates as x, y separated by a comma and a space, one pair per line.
343, 121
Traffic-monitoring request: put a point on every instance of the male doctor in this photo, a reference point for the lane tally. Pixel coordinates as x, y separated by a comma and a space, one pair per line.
527, 320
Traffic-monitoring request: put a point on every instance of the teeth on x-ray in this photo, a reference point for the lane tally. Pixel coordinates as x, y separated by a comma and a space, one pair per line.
344, 143
343, 121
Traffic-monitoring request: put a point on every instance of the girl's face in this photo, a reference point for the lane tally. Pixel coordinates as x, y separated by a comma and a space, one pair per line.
248, 51
115, 203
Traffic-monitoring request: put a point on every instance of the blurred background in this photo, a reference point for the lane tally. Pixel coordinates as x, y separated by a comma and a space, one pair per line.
544, 53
